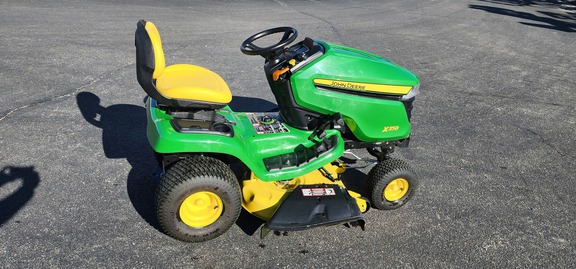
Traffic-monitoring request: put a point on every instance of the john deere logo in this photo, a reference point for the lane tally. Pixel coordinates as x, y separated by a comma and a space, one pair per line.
348, 85
365, 87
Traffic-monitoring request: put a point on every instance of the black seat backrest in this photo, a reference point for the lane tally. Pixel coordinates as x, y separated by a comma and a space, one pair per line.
150, 65
145, 65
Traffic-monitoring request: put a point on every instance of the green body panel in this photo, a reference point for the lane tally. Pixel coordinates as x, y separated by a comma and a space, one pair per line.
371, 118
246, 144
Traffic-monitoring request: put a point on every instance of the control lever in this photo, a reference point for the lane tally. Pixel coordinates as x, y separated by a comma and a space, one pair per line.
319, 131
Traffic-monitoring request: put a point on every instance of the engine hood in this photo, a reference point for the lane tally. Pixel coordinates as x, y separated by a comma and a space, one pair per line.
342, 65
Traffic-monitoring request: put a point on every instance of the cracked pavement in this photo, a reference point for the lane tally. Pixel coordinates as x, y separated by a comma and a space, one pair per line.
493, 138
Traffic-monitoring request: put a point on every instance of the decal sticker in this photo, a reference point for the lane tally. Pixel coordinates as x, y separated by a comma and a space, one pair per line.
318, 192
390, 128
267, 123
366, 87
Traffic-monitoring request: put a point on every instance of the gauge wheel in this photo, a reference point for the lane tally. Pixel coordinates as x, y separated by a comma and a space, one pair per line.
198, 199
391, 183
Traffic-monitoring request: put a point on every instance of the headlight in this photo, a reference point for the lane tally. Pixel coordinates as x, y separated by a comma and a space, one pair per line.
413, 92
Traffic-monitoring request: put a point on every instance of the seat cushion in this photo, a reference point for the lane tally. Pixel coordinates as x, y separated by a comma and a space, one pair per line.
194, 83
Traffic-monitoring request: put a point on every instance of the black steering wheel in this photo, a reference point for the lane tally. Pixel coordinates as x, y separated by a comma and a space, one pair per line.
249, 48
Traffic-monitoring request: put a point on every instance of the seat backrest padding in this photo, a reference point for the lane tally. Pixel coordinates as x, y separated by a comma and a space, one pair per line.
147, 61
159, 60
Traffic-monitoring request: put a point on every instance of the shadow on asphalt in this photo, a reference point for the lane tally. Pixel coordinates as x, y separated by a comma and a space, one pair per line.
525, 2
550, 20
16, 200
124, 137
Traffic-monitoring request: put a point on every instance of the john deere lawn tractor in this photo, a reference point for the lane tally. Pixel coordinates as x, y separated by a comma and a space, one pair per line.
283, 167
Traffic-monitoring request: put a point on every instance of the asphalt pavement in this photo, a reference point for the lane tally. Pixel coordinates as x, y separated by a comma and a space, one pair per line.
493, 141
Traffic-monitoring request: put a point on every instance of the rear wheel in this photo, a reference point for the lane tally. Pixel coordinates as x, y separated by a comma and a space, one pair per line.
198, 199
391, 183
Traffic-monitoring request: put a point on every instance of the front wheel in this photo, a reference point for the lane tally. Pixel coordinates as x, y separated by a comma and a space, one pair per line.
391, 183
198, 199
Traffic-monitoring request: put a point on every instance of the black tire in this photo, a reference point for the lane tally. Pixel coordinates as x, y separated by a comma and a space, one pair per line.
198, 179
404, 184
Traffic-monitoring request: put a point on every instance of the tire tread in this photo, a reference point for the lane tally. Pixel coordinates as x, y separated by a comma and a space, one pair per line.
381, 174
195, 169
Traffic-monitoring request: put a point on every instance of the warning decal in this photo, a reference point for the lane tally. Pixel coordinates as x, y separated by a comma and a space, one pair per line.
318, 192
266, 123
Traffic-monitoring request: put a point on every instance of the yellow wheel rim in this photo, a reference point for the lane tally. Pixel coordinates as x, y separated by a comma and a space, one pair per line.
396, 189
201, 209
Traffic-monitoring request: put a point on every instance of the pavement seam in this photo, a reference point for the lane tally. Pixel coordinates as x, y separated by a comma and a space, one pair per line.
544, 141
71, 93
330, 24
334, 29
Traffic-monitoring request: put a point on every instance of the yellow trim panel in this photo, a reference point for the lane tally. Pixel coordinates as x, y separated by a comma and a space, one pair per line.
364, 87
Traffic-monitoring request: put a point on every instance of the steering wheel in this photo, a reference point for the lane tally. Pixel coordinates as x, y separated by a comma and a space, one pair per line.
249, 48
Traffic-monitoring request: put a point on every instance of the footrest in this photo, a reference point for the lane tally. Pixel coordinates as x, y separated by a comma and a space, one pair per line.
200, 122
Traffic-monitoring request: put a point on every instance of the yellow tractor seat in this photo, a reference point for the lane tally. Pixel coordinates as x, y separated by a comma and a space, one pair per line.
179, 85
194, 83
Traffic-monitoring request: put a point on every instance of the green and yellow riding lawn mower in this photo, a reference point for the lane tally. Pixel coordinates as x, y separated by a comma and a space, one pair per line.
283, 167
